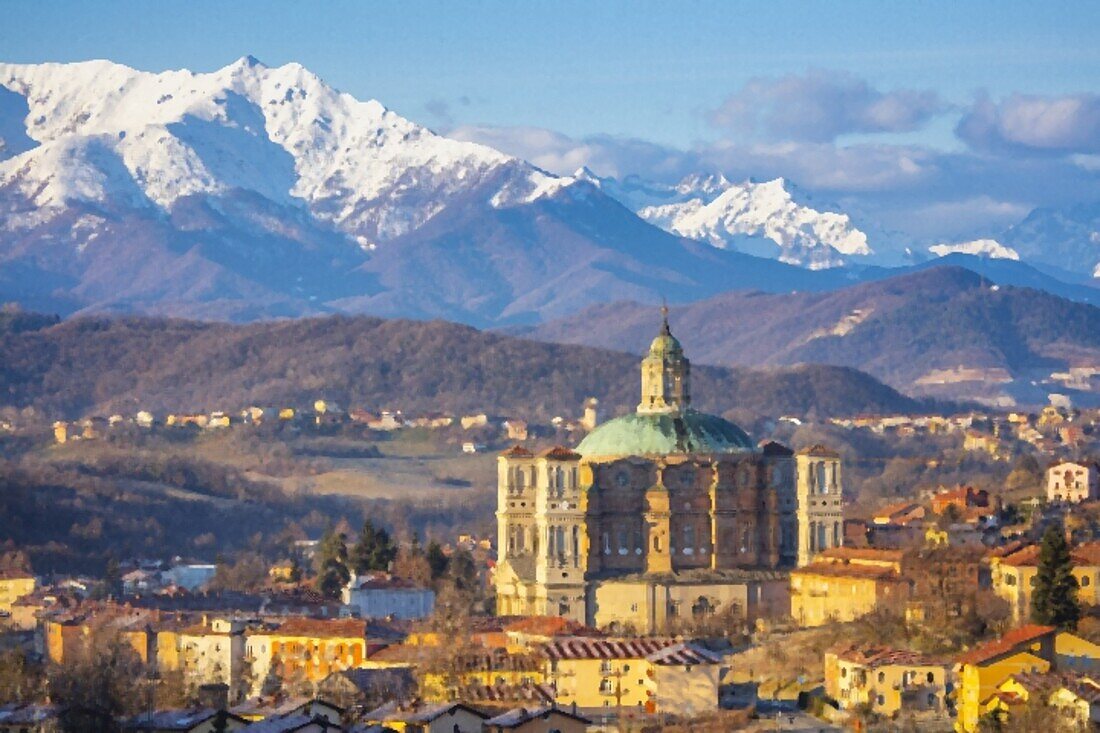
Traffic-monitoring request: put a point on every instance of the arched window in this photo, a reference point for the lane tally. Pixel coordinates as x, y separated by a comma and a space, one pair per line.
836, 534
813, 536
822, 484
689, 539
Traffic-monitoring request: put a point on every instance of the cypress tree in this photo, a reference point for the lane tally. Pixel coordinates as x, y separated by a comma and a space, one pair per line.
332, 568
1054, 601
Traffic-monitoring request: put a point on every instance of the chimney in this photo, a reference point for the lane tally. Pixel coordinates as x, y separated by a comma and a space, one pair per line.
214, 695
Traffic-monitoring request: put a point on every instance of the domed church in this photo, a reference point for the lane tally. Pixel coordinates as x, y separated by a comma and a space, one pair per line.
664, 515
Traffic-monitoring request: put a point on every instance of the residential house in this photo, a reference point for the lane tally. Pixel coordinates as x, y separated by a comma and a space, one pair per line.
14, 584
516, 429
191, 576
902, 513
1073, 482
304, 651
214, 651
418, 717
844, 583
983, 671
297, 723
961, 497
474, 421
380, 596
361, 686
193, 720
547, 719
888, 681
646, 674
1013, 575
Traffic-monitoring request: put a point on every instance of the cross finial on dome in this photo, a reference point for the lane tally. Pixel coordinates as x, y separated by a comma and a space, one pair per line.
664, 316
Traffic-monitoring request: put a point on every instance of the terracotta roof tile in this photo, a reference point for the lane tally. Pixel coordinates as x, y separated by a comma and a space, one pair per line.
1006, 644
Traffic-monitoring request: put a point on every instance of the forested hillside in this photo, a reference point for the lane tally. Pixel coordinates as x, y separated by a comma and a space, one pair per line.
89, 366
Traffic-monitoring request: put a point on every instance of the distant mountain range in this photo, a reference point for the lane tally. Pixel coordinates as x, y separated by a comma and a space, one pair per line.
942, 331
86, 366
254, 192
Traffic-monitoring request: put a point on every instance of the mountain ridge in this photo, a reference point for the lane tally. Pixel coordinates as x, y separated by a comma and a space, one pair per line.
942, 331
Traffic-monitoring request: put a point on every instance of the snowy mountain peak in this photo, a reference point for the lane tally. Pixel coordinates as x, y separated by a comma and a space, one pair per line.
990, 248
762, 219
102, 132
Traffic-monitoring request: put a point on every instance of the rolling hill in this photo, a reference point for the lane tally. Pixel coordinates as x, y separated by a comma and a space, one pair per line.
943, 331
95, 366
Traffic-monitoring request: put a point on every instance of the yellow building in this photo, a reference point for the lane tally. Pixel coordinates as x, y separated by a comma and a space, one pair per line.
845, 583
443, 675
982, 670
888, 681
1013, 576
1032, 649
304, 651
14, 584
71, 638
652, 675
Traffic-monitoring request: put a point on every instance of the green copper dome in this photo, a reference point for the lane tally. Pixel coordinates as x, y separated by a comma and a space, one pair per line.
642, 434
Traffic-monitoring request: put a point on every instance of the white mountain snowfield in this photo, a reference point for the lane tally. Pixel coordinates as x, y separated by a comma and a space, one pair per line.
978, 247
106, 131
252, 192
758, 218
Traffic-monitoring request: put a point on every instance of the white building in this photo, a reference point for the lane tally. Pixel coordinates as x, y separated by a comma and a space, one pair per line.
380, 596
191, 577
1072, 482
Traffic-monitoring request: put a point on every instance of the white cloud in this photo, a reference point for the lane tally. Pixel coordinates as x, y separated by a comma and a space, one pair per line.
820, 106
1033, 124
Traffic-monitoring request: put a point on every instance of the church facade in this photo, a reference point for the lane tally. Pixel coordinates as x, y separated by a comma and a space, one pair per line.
667, 512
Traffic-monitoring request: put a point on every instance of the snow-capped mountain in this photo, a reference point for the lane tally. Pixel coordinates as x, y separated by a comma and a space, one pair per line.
763, 219
978, 247
100, 128
254, 191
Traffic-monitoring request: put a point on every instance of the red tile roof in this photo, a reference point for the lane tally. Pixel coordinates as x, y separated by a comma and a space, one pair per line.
558, 453
322, 628
584, 648
846, 570
863, 553
517, 451
1006, 644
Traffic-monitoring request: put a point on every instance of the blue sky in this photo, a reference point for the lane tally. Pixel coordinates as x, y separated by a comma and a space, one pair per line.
656, 88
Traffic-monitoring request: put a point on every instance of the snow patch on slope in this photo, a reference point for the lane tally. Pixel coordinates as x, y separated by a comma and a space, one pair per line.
979, 247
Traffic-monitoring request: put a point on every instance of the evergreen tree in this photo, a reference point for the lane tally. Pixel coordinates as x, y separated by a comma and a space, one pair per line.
1054, 601
437, 560
332, 564
374, 550
112, 577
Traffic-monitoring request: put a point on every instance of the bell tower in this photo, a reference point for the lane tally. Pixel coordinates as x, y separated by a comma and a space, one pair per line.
666, 374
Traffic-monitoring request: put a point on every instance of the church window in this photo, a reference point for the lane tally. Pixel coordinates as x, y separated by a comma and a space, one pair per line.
836, 534
822, 485
689, 539
622, 541
606, 543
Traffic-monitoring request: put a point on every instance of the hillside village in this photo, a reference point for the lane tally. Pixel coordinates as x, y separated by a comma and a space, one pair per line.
919, 611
